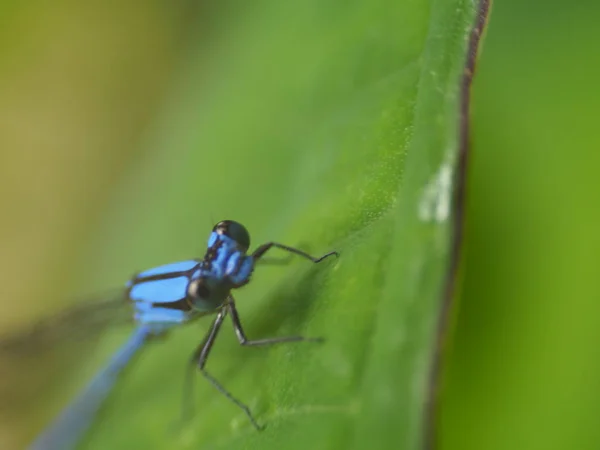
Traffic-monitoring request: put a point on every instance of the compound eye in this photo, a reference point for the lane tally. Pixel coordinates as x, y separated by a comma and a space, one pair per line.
235, 231
199, 289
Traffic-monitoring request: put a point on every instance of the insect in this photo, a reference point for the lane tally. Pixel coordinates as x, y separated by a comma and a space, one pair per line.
165, 297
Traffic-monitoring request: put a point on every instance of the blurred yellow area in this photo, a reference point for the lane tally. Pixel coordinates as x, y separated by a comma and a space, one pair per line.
78, 85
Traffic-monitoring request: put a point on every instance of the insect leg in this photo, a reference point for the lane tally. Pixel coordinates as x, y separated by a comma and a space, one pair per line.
261, 250
204, 347
201, 355
239, 331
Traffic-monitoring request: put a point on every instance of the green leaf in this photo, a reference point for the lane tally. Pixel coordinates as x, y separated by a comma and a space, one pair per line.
328, 125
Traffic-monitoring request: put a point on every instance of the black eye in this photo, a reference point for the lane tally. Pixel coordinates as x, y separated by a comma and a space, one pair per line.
235, 231
199, 289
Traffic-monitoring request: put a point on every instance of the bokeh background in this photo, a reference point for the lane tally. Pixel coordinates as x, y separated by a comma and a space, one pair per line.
525, 368
81, 86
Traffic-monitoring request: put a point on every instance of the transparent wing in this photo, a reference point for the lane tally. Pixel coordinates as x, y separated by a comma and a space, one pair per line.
81, 321
39, 364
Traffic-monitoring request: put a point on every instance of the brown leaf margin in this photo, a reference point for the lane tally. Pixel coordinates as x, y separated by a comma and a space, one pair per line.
430, 438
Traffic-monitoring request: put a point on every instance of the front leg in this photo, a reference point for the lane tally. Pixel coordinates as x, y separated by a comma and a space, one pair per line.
239, 331
260, 251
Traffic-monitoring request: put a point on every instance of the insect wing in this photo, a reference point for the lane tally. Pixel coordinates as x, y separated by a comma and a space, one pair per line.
38, 363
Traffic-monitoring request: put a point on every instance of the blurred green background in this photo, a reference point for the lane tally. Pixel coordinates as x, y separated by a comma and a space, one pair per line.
83, 87
524, 372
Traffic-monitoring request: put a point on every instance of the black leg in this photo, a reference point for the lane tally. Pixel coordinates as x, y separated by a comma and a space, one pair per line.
201, 355
239, 331
201, 352
260, 251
